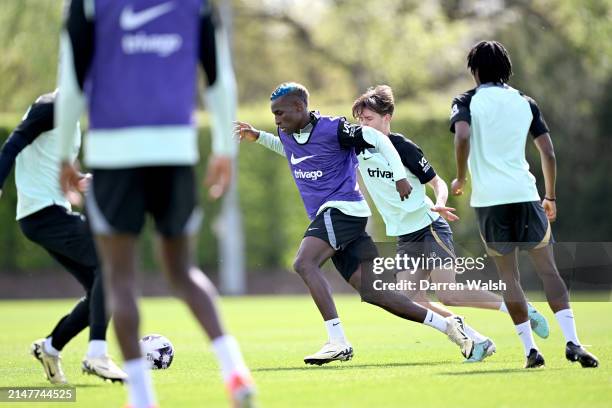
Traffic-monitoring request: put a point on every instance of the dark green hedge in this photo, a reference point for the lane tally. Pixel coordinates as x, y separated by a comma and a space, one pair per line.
273, 215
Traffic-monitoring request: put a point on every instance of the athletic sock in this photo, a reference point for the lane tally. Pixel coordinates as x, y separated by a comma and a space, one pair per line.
97, 348
228, 353
565, 318
49, 349
524, 332
435, 320
335, 332
473, 334
140, 386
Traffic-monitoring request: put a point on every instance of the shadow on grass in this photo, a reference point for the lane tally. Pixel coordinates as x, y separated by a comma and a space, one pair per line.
502, 371
102, 384
349, 366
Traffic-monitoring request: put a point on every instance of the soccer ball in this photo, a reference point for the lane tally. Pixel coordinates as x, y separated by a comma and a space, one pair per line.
158, 351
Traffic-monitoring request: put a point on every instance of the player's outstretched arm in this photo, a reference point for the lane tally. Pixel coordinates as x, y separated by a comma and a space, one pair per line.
441, 192
462, 151
549, 169
244, 131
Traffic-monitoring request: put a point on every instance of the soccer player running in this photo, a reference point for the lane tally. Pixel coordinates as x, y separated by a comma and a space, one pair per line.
45, 216
420, 225
138, 69
491, 123
321, 155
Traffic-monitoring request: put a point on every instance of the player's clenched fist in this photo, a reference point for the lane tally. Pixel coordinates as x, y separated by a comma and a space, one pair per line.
244, 131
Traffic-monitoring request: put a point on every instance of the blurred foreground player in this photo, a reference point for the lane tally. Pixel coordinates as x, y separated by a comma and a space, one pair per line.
45, 216
491, 123
134, 64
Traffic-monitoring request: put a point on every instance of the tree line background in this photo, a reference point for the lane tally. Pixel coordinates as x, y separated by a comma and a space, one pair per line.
561, 52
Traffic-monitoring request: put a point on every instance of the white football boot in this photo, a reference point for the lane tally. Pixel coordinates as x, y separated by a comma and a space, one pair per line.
103, 367
331, 351
455, 331
51, 364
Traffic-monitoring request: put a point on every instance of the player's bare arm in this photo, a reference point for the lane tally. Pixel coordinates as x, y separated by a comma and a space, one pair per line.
441, 192
462, 151
549, 169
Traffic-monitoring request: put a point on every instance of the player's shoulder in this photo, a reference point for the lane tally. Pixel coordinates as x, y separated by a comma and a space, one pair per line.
45, 100
346, 129
316, 117
42, 107
528, 98
400, 141
533, 105
464, 98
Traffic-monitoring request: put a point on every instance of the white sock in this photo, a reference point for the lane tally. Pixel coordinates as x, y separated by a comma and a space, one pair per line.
565, 318
473, 334
435, 320
49, 349
140, 386
228, 353
335, 332
97, 348
524, 332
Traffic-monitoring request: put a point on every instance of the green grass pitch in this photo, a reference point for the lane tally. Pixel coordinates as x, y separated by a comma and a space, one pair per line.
396, 364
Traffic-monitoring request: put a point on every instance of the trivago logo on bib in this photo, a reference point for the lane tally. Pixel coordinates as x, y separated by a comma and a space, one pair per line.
300, 174
313, 175
160, 44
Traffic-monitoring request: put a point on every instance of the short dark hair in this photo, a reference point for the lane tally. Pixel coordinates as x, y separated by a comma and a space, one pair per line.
492, 62
291, 88
378, 99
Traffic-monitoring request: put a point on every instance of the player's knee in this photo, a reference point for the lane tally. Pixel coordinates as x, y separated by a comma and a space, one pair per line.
548, 270
302, 266
373, 297
370, 298
199, 279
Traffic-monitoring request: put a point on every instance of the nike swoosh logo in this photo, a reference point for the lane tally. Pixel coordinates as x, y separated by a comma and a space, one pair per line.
129, 20
335, 324
51, 373
296, 161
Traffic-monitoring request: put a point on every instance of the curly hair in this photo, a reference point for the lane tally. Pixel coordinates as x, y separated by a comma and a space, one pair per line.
492, 62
